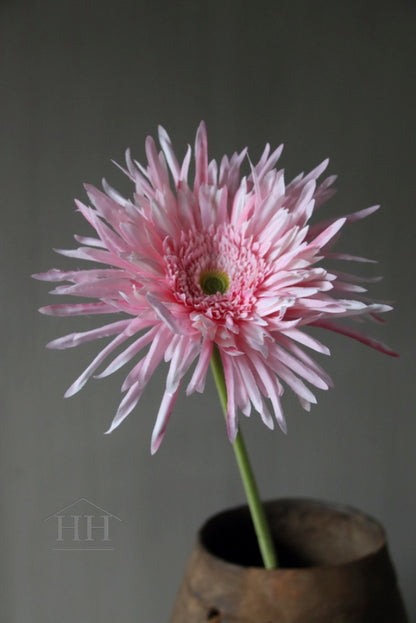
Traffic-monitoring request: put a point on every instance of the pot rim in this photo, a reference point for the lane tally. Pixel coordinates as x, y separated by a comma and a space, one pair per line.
369, 524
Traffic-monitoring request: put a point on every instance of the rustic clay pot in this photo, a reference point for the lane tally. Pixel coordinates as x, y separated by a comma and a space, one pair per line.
334, 568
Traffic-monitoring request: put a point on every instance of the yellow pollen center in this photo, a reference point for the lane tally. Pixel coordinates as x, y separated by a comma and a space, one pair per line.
214, 281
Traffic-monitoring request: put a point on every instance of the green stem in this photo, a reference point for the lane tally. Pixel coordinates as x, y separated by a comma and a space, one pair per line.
258, 515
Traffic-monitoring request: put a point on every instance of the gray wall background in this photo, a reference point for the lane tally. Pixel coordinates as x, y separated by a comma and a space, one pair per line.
81, 81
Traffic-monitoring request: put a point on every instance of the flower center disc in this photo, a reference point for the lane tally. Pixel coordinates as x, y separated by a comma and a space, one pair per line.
214, 281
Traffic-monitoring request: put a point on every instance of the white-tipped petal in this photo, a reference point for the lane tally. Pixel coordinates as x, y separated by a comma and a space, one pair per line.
165, 411
127, 405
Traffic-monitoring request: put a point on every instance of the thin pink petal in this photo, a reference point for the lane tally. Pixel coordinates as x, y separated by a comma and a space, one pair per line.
232, 425
272, 389
356, 335
201, 157
324, 237
307, 340
78, 309
197, 382
75, 339
127, 405
157, 172
181, 361
165, 411
171, 159
143, 370
99, 359
128, 354
349, 258
164, 314
280, 357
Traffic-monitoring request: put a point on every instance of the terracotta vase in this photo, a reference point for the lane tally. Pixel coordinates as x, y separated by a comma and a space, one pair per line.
334, 568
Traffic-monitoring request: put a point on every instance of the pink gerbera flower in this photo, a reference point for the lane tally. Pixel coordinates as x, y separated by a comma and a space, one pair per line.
229, 262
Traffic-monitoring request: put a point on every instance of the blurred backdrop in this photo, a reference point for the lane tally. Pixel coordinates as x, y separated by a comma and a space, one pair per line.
80, 82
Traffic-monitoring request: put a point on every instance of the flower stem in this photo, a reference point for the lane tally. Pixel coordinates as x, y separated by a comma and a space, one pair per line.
258, 515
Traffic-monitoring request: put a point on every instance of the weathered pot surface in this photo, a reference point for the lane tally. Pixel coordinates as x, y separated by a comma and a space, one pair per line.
334, 568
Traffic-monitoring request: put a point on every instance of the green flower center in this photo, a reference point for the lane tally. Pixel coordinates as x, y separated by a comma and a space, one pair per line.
214, 281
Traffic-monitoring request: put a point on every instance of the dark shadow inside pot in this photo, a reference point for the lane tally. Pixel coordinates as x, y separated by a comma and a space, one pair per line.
306, 534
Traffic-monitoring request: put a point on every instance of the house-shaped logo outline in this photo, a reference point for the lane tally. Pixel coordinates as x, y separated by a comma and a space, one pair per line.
96, 507
64, 511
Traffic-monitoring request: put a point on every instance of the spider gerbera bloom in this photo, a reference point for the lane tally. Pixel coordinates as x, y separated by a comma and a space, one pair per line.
228, 264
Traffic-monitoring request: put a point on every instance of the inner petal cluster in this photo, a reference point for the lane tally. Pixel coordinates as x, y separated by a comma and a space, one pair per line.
217, 272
